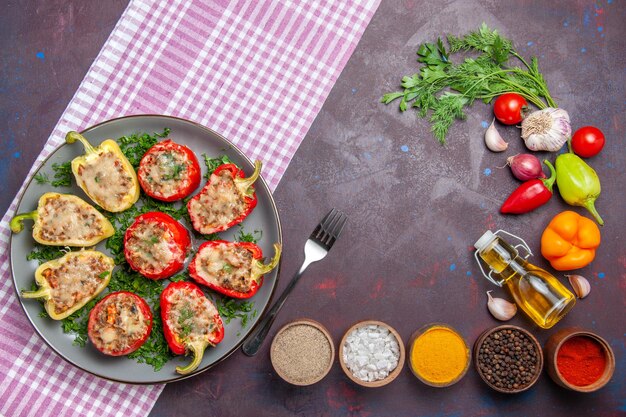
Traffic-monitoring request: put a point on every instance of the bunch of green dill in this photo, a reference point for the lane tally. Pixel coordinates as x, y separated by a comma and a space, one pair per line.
443, 89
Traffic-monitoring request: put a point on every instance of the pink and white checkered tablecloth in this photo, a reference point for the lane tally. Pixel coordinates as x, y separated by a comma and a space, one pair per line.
257, 72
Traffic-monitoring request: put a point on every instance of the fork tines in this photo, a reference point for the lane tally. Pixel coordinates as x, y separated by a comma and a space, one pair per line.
330, 227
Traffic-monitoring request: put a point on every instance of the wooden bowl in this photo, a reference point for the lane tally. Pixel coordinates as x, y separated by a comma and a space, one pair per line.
287, 375
535, 343
420, 332
392, 375
555, 342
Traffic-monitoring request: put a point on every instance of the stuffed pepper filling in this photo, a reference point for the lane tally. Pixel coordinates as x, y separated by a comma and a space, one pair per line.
191, 317
120, 323
226, 266
164, 172
220, 203
63, 219
106, 179
76, 279
151, 247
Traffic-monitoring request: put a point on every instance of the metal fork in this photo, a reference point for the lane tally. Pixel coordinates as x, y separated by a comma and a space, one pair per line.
315, 249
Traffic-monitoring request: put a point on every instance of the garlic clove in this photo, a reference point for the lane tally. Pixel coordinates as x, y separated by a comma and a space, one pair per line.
500, 308
581, 286
493, 140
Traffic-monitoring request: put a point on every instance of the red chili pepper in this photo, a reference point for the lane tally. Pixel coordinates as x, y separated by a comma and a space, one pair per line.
144, 241
208, 215
182, 304
214, 271
530, 194
106, 326
177, 172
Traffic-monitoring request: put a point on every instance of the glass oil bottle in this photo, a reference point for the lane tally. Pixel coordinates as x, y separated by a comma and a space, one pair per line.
536, 292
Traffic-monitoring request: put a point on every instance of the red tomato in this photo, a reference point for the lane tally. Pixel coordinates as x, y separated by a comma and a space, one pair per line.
169, 171
156, 245
509, 108
587, 141
120, 323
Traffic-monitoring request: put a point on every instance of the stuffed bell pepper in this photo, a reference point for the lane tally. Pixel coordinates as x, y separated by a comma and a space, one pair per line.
105, 174
191, 322
234, 269
226, 199
65, 220
120, 323
156, 245
169, 171
68, 283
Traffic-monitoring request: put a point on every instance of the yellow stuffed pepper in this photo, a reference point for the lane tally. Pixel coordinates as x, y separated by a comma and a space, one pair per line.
105, 174
570, 241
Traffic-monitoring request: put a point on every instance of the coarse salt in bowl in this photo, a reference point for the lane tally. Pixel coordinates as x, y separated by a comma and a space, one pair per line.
371, 353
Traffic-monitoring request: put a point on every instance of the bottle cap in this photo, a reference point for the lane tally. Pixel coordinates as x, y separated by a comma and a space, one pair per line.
484, 240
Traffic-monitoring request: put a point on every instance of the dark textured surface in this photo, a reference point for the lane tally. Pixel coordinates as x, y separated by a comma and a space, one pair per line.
415, 207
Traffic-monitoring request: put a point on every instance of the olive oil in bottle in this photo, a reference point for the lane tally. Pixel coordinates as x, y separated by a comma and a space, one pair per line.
536, 292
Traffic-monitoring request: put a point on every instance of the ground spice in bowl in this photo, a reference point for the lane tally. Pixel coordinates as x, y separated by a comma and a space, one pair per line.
302, 352
508, 358
579, 360
438, 355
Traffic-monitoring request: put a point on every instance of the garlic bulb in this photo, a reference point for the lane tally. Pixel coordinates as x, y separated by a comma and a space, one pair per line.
546, 130
581, 286
493, 140
500, 308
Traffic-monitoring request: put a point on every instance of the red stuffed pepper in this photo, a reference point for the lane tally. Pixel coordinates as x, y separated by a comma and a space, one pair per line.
169, 171
190, 322
156, 245
226, 199
234, 269
120, 323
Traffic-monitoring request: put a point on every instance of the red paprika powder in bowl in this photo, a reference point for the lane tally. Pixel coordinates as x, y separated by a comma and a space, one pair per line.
579, 360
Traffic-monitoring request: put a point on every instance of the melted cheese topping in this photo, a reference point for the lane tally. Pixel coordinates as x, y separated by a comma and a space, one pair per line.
152, 247
62, 219
191, 315
75, 280
226, 266
219, 203
120, 323
164, 172
105, 179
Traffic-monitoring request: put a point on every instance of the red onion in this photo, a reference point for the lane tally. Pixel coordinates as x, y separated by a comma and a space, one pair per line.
525, 167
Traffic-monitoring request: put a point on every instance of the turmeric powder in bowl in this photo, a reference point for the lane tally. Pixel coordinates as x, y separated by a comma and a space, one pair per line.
438, 355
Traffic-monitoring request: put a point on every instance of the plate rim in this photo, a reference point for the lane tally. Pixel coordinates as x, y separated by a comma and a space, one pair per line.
176, 377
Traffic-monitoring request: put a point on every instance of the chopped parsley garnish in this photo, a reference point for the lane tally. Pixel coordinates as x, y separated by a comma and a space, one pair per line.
231, 309
62, 174
213, 163
43, 253
253, 237
136, 145
42, 178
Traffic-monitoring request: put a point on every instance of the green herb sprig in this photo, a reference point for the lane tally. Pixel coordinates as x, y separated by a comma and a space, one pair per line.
444, 89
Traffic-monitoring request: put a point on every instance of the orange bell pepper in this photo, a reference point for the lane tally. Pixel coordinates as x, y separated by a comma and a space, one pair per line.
570, 241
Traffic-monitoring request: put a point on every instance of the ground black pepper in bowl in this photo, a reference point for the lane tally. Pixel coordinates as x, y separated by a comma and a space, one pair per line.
508, 358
